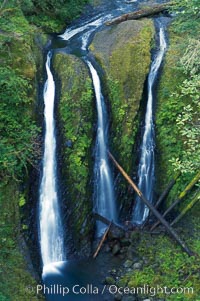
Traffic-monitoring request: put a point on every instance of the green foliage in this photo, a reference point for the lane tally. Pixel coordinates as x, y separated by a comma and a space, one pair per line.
52, 15
188, 13
17, 128
177, 114
22, 200
188, 120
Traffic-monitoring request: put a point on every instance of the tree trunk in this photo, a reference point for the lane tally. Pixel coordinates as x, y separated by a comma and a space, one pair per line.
180, 197
151, 207
194, 200
145, 12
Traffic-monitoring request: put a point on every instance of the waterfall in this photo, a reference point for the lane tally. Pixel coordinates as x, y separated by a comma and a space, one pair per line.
51, 232
146, 169
104, 195
104, 203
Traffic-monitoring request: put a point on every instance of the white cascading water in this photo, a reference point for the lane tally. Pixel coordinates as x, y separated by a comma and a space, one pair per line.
105, 201
51, 232
146, 170
104, 187
71, 32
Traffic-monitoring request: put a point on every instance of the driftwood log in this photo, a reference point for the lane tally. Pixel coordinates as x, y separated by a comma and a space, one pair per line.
145, 12
102, 241
152, 208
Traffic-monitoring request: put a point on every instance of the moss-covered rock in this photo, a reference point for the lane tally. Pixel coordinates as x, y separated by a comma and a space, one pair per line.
76, 119
125, 57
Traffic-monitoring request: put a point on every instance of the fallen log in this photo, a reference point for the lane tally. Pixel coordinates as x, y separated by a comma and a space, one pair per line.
145, 12
180, 197
102, 241
194, 200
152, 208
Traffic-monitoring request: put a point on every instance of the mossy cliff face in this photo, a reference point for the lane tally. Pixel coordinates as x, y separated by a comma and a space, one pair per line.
15, 277
124, 53
169, 143
19, 147
76, 119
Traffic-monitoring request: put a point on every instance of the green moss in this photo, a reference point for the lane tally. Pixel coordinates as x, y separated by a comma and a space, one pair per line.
76, 116
14, 276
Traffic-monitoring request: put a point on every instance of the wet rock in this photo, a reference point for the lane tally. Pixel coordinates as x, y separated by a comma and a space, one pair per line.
68, 143
137, 266
109, 280
113, 272
116, 249
127, 264
125, 242
132, 254
116, 234
135, 237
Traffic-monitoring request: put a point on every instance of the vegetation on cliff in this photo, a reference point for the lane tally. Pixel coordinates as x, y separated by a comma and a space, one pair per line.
76, 111
177, 130
48, 15
125, 58
19, 144
177, 118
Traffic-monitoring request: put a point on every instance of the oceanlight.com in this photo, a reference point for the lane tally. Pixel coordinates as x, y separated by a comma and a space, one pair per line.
90, 289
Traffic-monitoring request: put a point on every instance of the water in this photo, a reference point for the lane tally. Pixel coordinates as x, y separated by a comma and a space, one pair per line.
104, 196
51, 232
146, 169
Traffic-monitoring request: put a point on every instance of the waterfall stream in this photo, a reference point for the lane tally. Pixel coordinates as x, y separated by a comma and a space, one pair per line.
146, 169
51, 232
104, 194
104, 201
